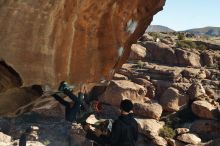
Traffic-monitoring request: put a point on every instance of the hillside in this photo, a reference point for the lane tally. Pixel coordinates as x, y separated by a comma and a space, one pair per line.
159, 28
211, 31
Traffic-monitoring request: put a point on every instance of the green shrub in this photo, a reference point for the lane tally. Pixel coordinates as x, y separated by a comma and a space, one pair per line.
140, 64
167, 132
155, 35
202, 47
186, 44
181, 36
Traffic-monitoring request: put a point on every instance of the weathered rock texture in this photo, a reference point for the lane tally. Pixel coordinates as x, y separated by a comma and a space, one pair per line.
47, 41
80, 41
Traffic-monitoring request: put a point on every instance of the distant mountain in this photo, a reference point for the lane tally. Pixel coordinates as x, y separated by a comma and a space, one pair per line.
211, 31
159, 28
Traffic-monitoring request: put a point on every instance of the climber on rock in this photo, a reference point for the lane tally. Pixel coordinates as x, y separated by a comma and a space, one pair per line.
124, 130
78, 110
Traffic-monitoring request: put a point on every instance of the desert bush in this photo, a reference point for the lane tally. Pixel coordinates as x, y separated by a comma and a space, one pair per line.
155, 35
202, 47
181, 36
186, 44
167, 132
140, 64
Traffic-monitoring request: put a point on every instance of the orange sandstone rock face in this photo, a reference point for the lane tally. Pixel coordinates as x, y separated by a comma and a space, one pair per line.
80, 41
47, 41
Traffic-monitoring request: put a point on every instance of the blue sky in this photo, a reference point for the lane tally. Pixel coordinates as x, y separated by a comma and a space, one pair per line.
186, 14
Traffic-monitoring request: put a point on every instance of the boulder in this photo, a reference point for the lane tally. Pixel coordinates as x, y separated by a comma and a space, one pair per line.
182, 87
189, 138
159, 72
148, 110
138, 52
150, 127
123, 89
142, 82
207, 58
181, 131
146, 37
202, 74
120, 77
160, 52
173, 142
5, 138
188, 58
205, 126
159, 141
147, 85
124, 71
167, 41
161, 86
203, 109
191, 73
9, 106
196, 91
172, 100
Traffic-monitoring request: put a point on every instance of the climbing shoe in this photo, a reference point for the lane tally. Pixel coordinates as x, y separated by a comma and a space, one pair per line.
65, 86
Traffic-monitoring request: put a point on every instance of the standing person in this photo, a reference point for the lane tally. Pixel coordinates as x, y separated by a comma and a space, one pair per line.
124, 129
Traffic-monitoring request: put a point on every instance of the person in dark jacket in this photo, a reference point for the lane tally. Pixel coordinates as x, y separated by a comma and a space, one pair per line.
124, 129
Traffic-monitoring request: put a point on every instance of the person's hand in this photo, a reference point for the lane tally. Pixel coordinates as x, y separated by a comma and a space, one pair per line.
98, 132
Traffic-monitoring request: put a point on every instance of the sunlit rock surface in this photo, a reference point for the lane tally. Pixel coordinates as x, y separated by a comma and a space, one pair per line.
80, 41
47, 41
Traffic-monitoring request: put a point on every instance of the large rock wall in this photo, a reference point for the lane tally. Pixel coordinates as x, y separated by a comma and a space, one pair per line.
47, 41
80, 41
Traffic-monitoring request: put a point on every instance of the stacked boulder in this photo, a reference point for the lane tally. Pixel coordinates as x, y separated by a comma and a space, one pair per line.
175, 93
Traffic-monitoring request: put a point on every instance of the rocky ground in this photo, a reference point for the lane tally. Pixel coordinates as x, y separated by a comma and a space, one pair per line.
173, 80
